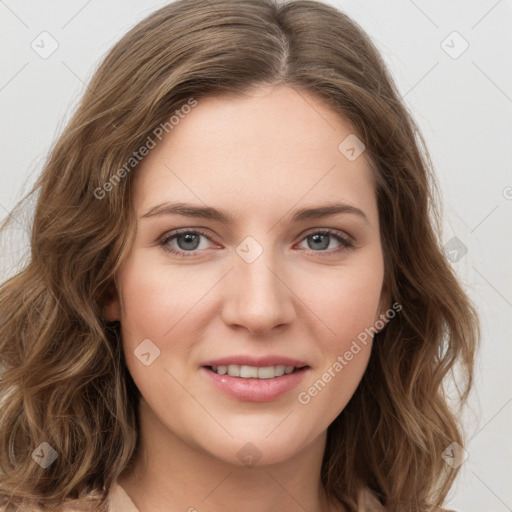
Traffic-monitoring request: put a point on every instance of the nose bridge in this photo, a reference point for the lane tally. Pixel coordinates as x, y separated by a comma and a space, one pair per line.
258, 298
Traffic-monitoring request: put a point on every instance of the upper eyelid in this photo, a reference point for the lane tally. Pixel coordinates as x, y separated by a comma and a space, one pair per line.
184, 231
205, 231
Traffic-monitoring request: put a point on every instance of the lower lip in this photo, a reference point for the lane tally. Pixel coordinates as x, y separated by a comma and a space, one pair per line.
255, 390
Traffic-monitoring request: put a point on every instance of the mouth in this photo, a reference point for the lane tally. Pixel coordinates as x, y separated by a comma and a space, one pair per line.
248, 383
254, 372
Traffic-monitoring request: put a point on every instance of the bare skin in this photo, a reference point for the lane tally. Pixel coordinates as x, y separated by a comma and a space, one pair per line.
260, 157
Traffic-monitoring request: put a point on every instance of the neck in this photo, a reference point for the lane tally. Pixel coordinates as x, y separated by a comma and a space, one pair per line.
169, 474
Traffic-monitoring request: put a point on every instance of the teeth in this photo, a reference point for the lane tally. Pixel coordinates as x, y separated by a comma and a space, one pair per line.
266, 372
248, 372
234, 370
279, 371
253, 372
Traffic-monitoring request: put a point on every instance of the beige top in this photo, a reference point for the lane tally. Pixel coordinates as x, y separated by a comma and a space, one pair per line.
119, 501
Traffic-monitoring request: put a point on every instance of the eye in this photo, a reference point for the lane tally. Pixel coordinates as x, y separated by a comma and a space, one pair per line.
187, 242
319, 241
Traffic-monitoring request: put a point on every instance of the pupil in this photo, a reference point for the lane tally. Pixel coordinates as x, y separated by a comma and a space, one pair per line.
189, 239
317, 238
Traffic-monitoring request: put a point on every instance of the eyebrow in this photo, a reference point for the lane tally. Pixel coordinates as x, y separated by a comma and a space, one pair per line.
223, 216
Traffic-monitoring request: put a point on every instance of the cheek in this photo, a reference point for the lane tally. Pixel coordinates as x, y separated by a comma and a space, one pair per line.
166, 305
160, 305
157, 300
347, 307
344, 303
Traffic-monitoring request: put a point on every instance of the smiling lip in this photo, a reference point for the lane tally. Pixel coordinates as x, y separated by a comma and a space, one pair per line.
252, 389
255, 361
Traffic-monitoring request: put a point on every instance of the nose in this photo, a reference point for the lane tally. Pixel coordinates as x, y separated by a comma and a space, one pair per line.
258, 296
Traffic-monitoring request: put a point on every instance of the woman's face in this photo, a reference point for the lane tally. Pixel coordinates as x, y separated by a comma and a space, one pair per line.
277, 263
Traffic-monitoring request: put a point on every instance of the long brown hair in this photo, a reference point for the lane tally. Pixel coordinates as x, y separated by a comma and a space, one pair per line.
64, 380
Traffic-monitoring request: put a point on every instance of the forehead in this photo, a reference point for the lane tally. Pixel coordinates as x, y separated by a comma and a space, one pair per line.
273, 146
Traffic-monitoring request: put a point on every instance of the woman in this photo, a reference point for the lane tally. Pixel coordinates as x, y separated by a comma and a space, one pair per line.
236, 296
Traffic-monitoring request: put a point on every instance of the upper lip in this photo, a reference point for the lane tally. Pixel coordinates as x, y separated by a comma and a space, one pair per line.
261, 361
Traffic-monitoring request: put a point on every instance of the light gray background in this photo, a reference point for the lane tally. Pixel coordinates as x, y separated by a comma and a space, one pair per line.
463, 106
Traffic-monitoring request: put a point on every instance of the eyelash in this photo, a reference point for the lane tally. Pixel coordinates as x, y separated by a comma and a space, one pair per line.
346, 243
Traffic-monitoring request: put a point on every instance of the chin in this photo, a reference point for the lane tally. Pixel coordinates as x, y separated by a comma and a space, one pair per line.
256, 448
